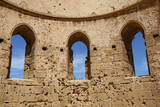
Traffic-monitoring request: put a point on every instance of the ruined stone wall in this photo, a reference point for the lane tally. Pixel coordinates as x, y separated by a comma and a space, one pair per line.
112, 82
64, 8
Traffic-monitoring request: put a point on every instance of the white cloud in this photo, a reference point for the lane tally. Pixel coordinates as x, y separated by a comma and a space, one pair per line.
18, 52
79, 63
141, 65
80, 68
79, 59
17, 62
144, 65
18, 59
141, 68
14, 73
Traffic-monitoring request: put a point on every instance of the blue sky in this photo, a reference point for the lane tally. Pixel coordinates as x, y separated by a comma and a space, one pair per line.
139, 53
18, 55
80, 53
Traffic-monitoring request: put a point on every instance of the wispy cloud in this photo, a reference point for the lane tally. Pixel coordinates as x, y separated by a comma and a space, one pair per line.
17, 62
141, 68
80, 68
17, 52
144, 65
16, 73
79, 63
79, 59
18, 59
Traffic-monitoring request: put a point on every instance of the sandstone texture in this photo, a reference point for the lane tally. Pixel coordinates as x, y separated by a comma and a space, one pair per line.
107, 27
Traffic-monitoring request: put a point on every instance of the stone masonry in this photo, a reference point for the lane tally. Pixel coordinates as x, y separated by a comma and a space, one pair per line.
107, 27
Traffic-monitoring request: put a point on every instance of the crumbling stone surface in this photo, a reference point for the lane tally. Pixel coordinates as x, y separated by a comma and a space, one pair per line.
65, 8
110, 81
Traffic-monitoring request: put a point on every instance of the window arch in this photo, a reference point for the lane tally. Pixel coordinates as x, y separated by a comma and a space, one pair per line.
128, 35
75, 37
29, 37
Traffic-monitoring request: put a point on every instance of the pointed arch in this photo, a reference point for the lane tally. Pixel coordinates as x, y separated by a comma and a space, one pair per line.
28, 35
73, 38
26, 32
129, 30
79, 36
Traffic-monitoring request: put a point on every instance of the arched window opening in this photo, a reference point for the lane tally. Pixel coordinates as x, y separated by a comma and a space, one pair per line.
22, 37
79, 60
133, 41
139, 55
78, 57
17, 57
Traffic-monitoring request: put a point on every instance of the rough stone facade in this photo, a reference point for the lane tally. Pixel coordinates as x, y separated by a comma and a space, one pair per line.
107, 27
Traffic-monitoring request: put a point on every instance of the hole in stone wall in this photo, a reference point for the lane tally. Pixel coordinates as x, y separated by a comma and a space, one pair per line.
94, 49
44, 48
144, 103
132, 102
114, 47
156, 35
46, 94
61, 50
1, 40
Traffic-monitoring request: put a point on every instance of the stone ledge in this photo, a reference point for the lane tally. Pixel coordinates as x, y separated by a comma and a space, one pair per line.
148, 78
138, 77
79, 82
15, 81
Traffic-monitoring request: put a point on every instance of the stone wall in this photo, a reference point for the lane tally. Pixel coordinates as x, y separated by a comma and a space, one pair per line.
64, 8
112, 82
